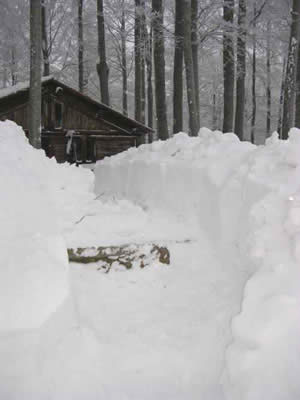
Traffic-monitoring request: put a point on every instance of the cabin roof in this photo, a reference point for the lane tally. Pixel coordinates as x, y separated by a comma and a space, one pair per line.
20, 87
24, 86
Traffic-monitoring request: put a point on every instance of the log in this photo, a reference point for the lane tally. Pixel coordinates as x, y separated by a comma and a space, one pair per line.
126, 256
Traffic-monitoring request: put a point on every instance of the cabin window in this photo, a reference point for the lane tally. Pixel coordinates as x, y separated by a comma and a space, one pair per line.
58, 115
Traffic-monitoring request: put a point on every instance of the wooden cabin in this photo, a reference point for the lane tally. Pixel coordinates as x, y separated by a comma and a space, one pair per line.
75, 127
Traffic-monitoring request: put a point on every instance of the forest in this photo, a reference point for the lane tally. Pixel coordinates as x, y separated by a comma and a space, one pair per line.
174, 65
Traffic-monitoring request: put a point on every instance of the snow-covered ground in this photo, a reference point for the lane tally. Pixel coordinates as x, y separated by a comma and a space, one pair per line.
220, 322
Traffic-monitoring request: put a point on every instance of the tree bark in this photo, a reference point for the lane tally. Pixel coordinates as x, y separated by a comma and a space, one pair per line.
297, 107
45, 44
124, 63
253, 118
178, 69
4, 79
214, 112
13, 67
228, 66
80, 48
143, 62
279, 126
241, 71
194, 38
149, 54
137, 62
269, 96
289, 91
35, 98
189, 70
159, 69
102, 67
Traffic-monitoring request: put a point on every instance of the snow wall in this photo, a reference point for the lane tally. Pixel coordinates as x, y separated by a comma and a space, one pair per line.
39, 201
247, 199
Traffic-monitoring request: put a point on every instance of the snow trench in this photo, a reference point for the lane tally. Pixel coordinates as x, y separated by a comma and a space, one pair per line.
247, 200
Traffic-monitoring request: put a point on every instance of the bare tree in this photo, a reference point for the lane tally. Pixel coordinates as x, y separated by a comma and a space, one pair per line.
178, 68
102, 67
194, 37
80, 48
297, 110
279, 124
253, 117
269, 94
143, 62
124, 61
228, 65
13, 67
35, 73
149, 54
159, 69
139, 49
137, 62
45, 44
241, 71
189, 70
290, 77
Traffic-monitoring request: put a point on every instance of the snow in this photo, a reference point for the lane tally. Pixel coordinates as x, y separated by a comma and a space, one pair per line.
38, 200
32, 273
220, 322
240, 195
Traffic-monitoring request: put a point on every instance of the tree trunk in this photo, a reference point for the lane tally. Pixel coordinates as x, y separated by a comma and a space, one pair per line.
102, 67
149, 79
241, 71
4, 80
35, 74
178, 69
124, 62
80, 48
279, 126
289, 91
214, 112
268, 79
194, 38
253, 118
228, 66
137, 62
159, 70
45, 44
13, 67
189, 70
143, 62
297, 110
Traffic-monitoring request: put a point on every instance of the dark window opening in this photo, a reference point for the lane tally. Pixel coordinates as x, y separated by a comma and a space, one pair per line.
58, 115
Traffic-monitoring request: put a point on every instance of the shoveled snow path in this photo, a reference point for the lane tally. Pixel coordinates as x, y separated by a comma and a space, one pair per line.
161, 332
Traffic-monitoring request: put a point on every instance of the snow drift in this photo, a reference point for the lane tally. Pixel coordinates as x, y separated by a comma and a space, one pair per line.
247, 199
39, 201
35, 194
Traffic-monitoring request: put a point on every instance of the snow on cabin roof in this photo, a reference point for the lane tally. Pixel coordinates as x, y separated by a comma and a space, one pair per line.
19, 87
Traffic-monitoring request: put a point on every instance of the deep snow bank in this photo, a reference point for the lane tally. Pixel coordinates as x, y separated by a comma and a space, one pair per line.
247, 199
38, 199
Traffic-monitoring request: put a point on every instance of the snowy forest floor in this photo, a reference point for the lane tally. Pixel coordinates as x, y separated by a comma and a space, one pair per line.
161, 331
